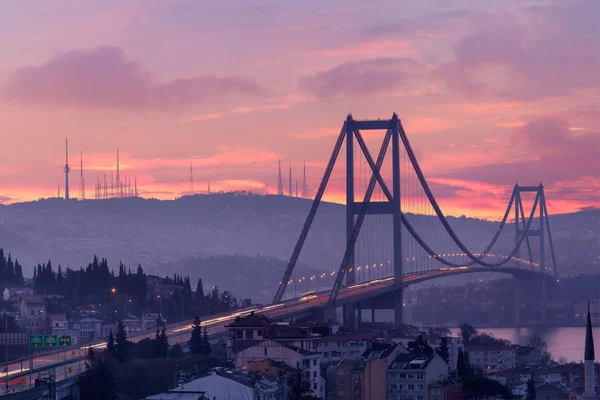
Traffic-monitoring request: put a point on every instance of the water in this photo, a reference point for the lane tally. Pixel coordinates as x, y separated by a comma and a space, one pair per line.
562, 342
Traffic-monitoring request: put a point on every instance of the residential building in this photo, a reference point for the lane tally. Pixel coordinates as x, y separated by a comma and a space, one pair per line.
492, 357
59, 324
455, 346
87, 329
410, 375
106, 329
156, 286
528, 355
445, 391
343, 346
32, 314
227, 384
10, 293
253, 329
292, 356
349, 380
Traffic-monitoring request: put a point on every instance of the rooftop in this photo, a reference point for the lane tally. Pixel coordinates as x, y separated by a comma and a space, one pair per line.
411, 362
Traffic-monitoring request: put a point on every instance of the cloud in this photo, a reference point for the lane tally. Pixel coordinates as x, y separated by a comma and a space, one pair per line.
533, 53
104, 78
361, 77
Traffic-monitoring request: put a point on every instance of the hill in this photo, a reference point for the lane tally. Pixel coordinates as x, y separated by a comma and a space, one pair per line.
179, 235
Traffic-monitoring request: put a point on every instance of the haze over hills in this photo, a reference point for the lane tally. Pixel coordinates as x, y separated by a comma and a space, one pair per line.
178, 236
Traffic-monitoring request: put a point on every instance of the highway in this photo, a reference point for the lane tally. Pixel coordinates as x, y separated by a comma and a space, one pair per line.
18, 373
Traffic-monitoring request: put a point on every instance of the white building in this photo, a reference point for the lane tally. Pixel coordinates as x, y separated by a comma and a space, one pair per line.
87, 329
223, 385
309, 362
492, 357
9, 293
343, 346
409, 376
455, 345
58, 324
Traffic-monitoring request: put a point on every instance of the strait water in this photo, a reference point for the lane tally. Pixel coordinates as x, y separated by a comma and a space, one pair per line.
562, 342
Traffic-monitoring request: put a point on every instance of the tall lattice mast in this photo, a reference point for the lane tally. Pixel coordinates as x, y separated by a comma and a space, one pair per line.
192, 191
279, 182
81, 179
290, 193
136, 189
304, 184
105, 187
67, 169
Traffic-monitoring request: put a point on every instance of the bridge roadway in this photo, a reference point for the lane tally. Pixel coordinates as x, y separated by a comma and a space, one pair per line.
215, 325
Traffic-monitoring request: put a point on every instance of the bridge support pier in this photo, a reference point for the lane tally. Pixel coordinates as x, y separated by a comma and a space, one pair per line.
398, 307
517, 303
350, 320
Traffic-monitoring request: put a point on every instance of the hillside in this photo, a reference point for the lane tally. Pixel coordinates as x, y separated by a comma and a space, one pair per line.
164, 236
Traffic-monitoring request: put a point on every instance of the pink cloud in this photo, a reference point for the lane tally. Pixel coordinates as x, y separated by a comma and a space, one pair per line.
104, 78
361, 77
530, 54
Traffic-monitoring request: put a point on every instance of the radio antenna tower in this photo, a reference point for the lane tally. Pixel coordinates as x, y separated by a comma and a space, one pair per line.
279, 182
266, 188
112, 184
81, 180
296, 188
118, 178
304, 184
130, 193
135, 182
290, 192
59, 190
105, 187
209, 187
67, 169
192, 191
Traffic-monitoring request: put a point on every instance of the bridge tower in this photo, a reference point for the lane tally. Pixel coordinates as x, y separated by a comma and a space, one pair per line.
356, 211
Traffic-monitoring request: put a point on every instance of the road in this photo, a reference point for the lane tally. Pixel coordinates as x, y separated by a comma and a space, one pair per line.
20, 376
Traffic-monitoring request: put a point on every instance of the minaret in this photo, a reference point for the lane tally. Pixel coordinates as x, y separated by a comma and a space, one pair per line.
590, 384
67, 169
279, 182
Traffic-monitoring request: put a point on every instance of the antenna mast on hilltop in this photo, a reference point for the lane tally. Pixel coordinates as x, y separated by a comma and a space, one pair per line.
105, 187
67, 169
304, 184
279, 182
81, 180
290, 192
135, 182
118, 178
192, 191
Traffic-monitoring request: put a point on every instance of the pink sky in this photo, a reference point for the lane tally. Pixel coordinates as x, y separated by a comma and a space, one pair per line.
489, 95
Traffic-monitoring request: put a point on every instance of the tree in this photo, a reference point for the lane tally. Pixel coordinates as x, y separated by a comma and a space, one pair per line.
162, 343
419, 346
110, 343
176, 351
300, 390
122, 345
467, 332
444, 351
206, 348
99, 382
461, 366
531, 392
537, 342
196, 340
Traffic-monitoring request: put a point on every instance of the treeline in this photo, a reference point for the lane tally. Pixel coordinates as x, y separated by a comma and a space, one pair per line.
11, 272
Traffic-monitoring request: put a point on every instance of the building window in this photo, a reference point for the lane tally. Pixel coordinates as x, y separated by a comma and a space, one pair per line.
249, 334
393, 386
420, 397
340, 393
260, 333
315, 386
239, 334
411, 387
435, 391
411, 376
419, 387
393, 375
420, 376
265, 350
315, 362
402, 376
340, 372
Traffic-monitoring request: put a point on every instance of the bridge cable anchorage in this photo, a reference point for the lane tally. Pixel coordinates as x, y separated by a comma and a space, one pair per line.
441, 216
520, 203
361, 216
309, 219
424, 245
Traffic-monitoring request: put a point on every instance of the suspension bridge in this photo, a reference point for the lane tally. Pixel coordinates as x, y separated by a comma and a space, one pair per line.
407, 235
